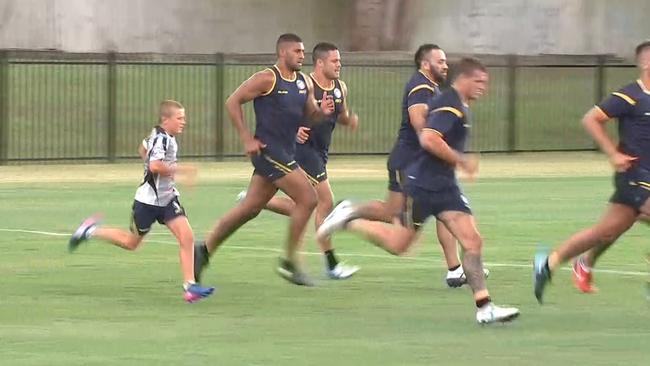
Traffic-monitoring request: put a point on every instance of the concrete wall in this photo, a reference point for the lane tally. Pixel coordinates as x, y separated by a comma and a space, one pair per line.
534, 26
176, 26
251, 26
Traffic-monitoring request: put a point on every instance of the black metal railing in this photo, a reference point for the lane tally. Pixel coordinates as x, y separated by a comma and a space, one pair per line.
62, 106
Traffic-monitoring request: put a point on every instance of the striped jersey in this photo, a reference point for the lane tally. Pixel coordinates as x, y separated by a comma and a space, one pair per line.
158, 190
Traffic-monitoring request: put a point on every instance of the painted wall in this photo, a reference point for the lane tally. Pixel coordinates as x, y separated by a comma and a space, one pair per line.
251, 26
534, 27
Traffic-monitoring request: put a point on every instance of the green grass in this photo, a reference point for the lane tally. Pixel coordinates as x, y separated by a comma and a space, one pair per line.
104, 306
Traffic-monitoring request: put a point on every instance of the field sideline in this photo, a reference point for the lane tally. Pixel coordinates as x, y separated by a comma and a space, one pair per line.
104, 306
492, 165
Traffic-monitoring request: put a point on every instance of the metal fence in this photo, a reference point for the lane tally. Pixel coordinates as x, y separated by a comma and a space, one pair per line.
59, 106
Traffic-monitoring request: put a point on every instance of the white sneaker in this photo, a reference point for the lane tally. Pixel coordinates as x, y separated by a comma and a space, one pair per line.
456, 278
341, 271
241, 195
336, 220
491, 313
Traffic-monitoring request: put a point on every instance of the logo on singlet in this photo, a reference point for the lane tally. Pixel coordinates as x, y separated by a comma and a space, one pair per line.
300, 84
337, 93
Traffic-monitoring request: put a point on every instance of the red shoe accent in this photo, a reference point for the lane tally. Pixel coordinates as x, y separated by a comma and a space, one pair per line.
582, 279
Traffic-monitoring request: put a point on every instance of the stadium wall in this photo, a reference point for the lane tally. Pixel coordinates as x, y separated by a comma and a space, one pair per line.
525, 27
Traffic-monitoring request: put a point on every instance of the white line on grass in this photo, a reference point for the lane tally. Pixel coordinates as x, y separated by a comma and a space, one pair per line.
34, 232
274, 250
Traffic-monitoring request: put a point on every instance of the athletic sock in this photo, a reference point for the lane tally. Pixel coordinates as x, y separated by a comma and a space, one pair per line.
483, 301
90, 231
187, 284
332, 262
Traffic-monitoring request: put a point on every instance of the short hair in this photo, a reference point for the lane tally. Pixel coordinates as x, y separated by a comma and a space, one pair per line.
467, 65
423, 50
321, 50
286, 38
641, 47
166, 107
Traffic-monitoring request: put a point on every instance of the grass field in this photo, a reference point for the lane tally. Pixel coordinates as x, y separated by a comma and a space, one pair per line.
104, 306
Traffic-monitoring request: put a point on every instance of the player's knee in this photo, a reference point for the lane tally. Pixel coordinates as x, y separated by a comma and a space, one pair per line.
252, 213
251, 209
607, 238
134, 242
307, 201
325, 204
402, 242
473, 244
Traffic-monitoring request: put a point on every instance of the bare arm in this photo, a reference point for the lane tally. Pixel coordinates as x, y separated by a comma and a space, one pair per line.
418, 116
313, 112
260, 83
345, 117
162, 168
432, 142
594, 122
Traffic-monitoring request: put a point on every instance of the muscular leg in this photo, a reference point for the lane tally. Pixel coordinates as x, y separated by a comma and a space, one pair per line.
448, 244
387, 210
463, 227
260, 191
617, 219
383, 211
298, 188
285, 206
394, 238
590, 257
323, 208
280, 205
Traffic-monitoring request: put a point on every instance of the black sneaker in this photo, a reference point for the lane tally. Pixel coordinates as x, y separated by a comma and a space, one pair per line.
541, 274
201, 259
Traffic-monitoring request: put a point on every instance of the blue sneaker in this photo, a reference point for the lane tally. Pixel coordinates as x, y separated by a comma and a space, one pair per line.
201, 259
541, 273
83, 232
195, 292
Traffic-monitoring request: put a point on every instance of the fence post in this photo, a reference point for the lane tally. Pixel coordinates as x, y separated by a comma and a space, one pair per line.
4, 106
111, 130
219, 105
600, 78
512, 102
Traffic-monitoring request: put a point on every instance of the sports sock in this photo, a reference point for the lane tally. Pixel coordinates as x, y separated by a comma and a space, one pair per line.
90, 231
483, 301
331, 259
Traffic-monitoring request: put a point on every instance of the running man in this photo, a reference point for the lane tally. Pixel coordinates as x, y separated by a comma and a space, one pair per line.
432, 189
283, 99
631, 163
313, 146
156, 200
431, 64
